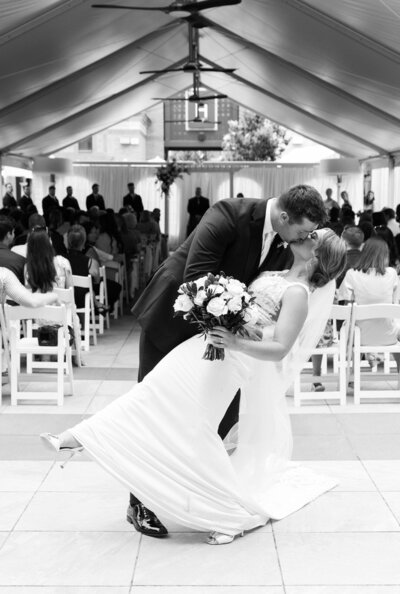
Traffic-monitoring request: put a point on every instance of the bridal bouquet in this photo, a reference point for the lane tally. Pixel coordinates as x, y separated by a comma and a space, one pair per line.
215, 300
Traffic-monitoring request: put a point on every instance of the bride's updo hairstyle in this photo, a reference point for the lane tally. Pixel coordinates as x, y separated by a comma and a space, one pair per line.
330, 259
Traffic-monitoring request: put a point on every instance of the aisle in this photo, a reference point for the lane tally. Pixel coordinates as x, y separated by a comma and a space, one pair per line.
64, 531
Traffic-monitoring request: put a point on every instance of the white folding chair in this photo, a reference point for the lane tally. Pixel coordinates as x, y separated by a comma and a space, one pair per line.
115, 272
374, 312
337, 350
102, 298
66, 296
29, 345
4, 348
89, 322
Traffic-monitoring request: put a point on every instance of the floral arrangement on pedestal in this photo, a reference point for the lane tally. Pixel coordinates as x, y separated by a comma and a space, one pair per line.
166, 176
168, 173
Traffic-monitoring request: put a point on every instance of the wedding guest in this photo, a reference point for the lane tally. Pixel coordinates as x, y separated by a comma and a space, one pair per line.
196, 208
8, 258
44, 269
9, 200
130, 236
25, 200
329, 202
373, 281
391, 222
334, 222
49, 203
95, 199
133, 200
70, 201
345, 197
369, 200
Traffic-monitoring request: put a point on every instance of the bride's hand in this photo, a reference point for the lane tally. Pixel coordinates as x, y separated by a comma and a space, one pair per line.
222, 338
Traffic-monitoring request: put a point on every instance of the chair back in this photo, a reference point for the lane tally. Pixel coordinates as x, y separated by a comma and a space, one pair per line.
376, 311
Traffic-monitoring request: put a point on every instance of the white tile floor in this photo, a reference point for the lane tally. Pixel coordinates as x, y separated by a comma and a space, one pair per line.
64, 531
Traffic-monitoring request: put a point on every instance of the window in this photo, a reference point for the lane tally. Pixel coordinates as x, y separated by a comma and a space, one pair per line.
86, 145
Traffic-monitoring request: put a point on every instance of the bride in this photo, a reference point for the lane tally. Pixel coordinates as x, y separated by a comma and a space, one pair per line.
160, 439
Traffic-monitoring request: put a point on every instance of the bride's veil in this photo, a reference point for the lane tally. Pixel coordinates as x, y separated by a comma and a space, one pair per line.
264, 444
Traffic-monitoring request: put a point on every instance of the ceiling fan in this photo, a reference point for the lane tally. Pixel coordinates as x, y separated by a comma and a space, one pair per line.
195, 120
190, 7
193, 64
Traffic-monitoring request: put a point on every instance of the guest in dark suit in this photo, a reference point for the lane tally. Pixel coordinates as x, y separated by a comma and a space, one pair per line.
240, 237
95, 199
25, 200
49, 203
9, 259
196, 208
8, 198
70, 201
133, 200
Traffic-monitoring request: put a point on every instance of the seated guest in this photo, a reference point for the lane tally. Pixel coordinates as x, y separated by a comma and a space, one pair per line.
108, 239
391, 222
55, 222
44, 270
354, 238
8, 258
12, 289
147, 225
35, 220
130, 236
381, 229
90, 249
373, 281
81, 264
334, 222
347, 215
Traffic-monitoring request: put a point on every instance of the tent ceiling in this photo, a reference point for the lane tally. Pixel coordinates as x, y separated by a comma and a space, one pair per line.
328, 70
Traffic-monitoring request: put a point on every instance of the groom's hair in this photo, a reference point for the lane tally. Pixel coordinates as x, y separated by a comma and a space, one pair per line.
303, 202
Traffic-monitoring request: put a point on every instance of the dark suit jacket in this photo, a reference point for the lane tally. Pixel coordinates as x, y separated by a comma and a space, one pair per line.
9, 201
135, 202
93, 200
228, 238
48, 204
24, 202
13, 262
70, 202
196, 208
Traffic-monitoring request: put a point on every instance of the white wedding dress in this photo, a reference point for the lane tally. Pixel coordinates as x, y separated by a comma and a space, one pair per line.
160, 439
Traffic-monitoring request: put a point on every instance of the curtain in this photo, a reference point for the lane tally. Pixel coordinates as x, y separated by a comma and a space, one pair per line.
380, 186
252, 181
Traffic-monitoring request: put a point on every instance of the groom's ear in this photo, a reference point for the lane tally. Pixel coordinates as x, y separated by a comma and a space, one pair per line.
284, 217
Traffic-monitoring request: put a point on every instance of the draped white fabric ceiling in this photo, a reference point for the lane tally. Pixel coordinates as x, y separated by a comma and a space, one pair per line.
329, 70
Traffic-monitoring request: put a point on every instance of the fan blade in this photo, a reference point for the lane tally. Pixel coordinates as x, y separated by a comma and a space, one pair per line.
128, 7
183, 69
190, 122
202, 5
192, 98
191, 7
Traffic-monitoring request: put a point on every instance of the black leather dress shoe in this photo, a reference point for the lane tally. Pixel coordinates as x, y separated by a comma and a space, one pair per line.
145, 521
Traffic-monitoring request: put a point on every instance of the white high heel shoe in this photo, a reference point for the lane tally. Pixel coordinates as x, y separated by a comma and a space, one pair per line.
218, 538
52, 442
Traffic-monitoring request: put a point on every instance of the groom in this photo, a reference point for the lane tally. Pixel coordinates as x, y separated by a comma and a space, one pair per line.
241, 237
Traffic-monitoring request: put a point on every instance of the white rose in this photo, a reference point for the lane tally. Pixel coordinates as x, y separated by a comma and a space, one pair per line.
200, 282
183, 303
235, 304
217, 306
200, 297
223, 280
216, 289
235, 287
251, 314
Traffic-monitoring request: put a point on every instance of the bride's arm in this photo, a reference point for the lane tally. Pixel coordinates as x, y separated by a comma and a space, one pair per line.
291, 319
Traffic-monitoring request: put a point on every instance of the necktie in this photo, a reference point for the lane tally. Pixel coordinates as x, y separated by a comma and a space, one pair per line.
267, 241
